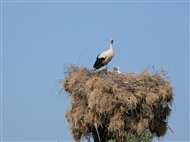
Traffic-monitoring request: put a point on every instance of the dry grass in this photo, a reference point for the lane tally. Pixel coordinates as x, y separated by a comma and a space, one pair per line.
121, 103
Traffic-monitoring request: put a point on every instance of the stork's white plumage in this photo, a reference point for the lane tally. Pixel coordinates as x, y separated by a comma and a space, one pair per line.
117, 69
105, 57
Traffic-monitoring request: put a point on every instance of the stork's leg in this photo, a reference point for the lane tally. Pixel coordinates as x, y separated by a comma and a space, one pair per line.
106, 66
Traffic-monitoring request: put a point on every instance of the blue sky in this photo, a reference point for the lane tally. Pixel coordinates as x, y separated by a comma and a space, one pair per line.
38, 38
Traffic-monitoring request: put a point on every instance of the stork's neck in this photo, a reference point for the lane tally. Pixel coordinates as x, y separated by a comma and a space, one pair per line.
111, 46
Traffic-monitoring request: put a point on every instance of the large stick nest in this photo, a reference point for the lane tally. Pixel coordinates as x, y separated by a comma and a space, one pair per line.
122, 104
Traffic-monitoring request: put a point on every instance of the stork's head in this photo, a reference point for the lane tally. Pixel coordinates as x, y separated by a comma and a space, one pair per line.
111, 41
116, 68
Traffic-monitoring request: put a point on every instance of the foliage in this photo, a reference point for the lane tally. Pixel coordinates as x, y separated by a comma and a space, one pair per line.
147, 136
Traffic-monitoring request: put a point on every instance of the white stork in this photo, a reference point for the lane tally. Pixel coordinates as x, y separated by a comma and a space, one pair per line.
117, 69
105, 57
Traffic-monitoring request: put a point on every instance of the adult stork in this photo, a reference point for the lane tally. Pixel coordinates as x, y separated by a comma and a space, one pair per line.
105, 57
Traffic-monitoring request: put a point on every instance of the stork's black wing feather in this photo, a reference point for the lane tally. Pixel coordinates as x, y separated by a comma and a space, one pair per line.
98, 63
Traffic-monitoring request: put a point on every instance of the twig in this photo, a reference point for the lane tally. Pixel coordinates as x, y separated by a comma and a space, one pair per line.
95, 125
79, 58
170, 128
